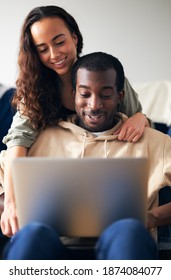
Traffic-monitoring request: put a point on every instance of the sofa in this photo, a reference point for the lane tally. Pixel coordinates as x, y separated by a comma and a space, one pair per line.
6, 112
155, 98
6, 115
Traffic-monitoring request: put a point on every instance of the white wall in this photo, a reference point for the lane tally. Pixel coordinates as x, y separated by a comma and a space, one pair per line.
136, 31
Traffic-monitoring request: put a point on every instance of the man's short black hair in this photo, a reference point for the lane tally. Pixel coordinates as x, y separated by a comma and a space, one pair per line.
99, 61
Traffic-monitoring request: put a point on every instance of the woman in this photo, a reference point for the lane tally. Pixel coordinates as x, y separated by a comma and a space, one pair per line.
50, 43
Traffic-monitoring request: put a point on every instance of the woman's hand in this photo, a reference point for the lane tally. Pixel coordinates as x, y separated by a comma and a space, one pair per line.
9, 221
133, 128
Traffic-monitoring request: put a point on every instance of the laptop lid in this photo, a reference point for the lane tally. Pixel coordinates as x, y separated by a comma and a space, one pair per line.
84, 195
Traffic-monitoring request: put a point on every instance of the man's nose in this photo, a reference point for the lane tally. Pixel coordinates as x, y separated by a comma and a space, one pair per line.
95, 103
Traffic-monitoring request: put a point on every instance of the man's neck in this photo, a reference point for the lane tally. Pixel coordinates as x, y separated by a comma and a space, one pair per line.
115, 121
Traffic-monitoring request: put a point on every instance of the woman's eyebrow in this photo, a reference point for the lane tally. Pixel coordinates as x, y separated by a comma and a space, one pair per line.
53, 39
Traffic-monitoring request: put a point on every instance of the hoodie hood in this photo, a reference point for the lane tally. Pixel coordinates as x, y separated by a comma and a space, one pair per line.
72, 121
84, 136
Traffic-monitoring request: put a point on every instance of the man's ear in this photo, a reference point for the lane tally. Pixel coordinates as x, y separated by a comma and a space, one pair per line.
120, 96
73, 94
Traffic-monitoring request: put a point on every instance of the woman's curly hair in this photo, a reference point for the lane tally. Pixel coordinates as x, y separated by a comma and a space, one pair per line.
37, 86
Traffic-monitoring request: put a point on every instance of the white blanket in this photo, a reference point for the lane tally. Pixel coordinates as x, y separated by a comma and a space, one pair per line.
155, 98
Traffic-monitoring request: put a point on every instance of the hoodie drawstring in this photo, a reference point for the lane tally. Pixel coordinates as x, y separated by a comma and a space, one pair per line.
83, 146
105, 148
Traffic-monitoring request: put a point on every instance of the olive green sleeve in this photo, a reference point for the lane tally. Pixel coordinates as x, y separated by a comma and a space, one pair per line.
130, 104
21, 132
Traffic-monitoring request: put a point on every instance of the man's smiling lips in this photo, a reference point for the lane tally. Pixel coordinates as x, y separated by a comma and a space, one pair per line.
94, 118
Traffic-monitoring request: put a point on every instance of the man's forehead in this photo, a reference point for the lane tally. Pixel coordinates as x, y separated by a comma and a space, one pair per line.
85, 75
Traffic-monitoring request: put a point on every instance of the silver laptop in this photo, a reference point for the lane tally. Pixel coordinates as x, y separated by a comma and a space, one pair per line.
83, 196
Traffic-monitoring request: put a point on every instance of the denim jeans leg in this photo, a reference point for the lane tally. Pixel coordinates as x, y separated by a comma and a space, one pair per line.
36, 241
126, 239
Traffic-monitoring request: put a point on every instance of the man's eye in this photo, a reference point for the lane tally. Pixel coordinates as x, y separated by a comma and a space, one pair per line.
85, 95
106, 96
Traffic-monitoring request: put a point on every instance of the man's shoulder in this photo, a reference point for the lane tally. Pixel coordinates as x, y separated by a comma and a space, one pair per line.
153, 133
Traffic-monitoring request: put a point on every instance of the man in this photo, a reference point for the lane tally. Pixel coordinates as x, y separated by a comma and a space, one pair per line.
98, 89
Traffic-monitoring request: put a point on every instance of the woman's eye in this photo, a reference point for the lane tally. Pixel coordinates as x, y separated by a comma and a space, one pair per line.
60, 43
42, 50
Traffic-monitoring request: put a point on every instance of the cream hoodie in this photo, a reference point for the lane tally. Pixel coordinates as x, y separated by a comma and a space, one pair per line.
67, 140
72, 141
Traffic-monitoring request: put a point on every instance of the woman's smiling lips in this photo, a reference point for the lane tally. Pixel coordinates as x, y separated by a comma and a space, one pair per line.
60, 63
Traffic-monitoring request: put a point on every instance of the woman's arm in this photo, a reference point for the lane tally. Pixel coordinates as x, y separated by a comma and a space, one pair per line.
130, 104
9, 223
134, 126
21, 132
20, 136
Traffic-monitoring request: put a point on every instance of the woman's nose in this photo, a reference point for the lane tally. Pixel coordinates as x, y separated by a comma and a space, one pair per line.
54, 52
